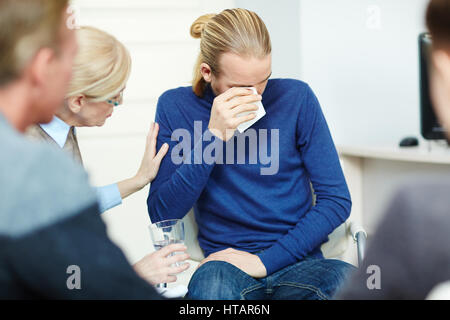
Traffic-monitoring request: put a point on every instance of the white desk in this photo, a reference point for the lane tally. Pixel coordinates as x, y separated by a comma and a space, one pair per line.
374, 173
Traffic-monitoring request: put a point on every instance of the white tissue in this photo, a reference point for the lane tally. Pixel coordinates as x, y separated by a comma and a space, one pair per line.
259, 114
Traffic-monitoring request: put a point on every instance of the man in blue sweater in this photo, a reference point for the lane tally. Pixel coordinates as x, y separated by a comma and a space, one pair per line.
258, 226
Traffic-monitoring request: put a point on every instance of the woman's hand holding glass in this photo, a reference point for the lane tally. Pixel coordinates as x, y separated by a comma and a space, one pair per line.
161, 266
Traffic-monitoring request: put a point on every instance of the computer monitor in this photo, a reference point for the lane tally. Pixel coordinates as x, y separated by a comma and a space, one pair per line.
429, 125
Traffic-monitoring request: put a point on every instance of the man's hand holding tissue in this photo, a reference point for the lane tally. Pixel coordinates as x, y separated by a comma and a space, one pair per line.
224, 118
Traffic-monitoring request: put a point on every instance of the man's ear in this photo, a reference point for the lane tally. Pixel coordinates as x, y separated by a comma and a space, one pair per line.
206, 72
39, 67
76, 103
441, 62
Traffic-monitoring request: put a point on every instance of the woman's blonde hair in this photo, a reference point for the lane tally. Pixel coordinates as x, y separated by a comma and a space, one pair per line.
233, 30
102, 65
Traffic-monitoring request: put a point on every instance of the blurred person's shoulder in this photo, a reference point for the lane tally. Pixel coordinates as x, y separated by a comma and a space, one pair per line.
408, 243
41, 185
428, 194
418, 206
422, 208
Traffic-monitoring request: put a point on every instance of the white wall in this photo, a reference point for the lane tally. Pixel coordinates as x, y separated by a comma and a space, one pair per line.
281, 18
364, 73
157, 34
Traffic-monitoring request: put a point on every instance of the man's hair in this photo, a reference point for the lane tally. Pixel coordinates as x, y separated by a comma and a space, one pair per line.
438, 23
233, 30
26, 26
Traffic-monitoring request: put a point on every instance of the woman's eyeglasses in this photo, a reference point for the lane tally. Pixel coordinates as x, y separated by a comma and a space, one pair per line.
117, 100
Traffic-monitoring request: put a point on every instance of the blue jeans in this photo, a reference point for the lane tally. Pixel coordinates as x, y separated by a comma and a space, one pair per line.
309, 279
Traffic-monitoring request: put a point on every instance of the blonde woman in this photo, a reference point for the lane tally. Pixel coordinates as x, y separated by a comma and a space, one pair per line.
261, 233
100, 73
101, 70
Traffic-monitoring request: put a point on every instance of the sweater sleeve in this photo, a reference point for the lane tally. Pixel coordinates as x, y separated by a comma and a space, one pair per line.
177, 186
333, 203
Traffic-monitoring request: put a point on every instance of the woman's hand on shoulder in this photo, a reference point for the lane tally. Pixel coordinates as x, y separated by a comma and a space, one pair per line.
151, 161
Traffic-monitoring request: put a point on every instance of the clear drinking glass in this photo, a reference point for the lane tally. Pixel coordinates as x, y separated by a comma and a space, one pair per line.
164, 233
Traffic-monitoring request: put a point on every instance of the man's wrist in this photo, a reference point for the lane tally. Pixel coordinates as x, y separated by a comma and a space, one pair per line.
262, 272
275, 258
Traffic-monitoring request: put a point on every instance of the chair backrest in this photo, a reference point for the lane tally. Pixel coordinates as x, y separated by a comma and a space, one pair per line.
191, 232
337, 243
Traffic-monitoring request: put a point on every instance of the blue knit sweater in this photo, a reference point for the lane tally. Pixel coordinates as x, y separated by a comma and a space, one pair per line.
256, 194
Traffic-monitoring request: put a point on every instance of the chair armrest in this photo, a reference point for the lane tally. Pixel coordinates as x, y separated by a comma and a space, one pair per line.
359, 235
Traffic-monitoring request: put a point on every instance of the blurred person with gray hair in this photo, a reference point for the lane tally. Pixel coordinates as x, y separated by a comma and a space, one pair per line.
50, 226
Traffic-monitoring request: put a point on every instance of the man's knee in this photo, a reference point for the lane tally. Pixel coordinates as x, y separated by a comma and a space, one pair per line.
313, 279
338, 274
215, 280
341, 269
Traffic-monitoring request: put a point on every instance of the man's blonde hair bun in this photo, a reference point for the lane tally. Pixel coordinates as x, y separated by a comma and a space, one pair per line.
199, 24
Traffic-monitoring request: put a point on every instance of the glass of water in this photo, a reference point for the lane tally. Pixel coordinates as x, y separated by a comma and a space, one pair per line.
167, 232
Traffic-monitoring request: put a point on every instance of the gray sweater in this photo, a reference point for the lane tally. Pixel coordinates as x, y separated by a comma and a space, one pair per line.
411, 246
49, 223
